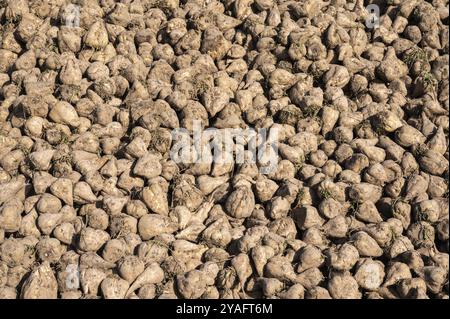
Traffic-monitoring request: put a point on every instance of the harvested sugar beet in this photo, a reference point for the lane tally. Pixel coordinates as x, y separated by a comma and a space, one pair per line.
224, 149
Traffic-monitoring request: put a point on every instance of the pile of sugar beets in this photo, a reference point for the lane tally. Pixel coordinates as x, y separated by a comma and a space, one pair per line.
93, 206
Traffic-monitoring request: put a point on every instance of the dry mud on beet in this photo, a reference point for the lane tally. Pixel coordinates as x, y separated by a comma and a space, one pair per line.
110, 188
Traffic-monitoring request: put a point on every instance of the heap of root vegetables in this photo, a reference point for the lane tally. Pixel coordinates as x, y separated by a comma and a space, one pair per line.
92, 204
